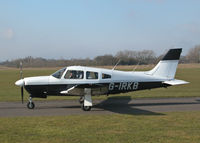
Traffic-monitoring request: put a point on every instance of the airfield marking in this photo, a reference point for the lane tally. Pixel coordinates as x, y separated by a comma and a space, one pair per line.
109, 106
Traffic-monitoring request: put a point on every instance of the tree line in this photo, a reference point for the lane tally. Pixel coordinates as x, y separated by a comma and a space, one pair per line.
126, 57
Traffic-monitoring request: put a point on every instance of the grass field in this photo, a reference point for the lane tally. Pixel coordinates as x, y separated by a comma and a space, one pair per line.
191, 73
171, 127
181, 127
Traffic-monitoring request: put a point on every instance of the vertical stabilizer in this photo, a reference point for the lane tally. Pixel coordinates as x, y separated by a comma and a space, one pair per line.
166, 68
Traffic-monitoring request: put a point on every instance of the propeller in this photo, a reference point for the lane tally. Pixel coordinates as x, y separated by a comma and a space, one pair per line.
22, 88
22, 94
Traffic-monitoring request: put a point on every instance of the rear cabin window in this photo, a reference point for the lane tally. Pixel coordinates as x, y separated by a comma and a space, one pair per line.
105, 76
74, 74
91, 75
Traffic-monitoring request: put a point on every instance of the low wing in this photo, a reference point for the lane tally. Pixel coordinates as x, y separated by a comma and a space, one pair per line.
175, 82
97, 89
68, 91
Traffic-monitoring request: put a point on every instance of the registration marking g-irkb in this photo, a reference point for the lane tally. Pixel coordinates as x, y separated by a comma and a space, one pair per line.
124, 86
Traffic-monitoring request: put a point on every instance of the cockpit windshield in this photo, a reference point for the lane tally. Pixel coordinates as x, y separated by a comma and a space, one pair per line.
59, 73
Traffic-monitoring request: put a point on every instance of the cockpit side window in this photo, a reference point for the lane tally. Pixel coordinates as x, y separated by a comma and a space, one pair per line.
91, 75
74, 74
58, 74
105, 76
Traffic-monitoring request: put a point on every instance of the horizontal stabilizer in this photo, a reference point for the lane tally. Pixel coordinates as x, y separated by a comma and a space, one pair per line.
175, 82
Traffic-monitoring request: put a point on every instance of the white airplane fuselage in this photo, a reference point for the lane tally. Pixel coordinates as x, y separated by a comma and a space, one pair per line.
88, 81
119, 82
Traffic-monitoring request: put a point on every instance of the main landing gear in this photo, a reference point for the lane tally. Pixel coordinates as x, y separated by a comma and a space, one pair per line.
30, 104
85, 108
86, 100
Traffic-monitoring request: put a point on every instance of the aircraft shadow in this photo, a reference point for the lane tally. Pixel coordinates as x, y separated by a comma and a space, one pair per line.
121, 106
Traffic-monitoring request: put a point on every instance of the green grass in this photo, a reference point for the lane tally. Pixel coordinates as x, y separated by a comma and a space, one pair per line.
10, 92
181, 127
172, 127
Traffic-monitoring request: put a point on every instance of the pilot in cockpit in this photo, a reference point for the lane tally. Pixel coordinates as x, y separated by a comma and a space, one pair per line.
71, 75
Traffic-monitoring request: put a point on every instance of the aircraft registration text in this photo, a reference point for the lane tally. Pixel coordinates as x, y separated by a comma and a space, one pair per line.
124, 86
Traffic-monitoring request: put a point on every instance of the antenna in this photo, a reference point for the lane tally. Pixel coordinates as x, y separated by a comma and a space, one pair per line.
136, 66
116, 65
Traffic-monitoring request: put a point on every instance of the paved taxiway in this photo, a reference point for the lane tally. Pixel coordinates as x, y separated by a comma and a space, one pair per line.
109, 106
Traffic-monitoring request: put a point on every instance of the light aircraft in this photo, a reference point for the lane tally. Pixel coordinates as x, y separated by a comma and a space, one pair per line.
87, 82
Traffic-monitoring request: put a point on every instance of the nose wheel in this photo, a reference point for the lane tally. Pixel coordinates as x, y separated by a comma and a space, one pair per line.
30, 104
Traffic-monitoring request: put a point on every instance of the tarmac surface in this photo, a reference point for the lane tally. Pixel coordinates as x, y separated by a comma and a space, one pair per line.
127, 105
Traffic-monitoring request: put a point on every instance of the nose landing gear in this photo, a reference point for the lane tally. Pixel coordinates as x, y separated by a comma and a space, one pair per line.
30, 104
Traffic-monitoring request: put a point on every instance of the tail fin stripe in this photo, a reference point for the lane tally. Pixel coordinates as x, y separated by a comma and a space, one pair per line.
173, 54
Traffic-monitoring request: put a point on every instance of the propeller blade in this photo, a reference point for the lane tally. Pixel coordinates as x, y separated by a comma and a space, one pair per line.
22, 94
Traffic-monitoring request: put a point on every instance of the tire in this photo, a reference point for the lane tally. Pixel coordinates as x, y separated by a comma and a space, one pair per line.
85, 108
30, 105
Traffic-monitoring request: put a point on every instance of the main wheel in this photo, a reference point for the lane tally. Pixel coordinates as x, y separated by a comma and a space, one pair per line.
30, 105
85, 108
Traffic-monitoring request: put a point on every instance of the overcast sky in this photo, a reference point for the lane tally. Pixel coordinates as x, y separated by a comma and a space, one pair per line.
87, 28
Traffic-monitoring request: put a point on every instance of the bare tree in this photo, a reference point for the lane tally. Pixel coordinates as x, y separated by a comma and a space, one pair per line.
127, 57
135, 57
193, 55
105, 60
